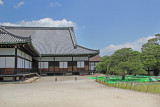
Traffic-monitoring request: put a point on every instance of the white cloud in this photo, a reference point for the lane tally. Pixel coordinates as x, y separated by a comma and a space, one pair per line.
136, 45
19, 4
1, 2
45, 22
54, 4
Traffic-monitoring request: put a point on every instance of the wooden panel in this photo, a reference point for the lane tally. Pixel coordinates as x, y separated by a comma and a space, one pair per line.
74, 65
51, 66
56, 65
80, 69
86, 65
70, 66
44, 70
2, 71
20, 70
63, 69
9, 71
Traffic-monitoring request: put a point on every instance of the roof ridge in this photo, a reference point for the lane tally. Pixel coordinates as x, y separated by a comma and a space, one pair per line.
88, 48
72, 38
38, 28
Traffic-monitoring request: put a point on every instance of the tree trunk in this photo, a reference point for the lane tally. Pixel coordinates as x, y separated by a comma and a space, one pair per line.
148, 71
134, 74
123, 77
156, 72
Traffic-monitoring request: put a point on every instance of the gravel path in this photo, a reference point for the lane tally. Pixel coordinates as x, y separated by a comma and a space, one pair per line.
67, 92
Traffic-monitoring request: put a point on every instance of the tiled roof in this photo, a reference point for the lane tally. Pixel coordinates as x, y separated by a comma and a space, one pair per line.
9, 38
52, 40
95, 58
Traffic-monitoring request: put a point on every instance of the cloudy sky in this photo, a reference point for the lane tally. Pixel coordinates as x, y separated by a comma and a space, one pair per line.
107, 25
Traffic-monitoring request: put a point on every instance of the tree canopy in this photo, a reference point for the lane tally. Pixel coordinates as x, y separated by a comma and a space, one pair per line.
127, 61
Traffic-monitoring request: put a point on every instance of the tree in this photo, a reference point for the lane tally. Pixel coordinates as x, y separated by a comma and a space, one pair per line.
151, 54
125, 61
151, 58
102, 66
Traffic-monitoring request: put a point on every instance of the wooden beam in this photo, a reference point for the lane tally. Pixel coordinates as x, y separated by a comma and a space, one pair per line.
15, 70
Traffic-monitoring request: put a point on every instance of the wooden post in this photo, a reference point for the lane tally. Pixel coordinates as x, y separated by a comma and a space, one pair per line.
40, 65
154, 90
72, 63
56, 79
147, 89
130, 86
15, 70
96, 78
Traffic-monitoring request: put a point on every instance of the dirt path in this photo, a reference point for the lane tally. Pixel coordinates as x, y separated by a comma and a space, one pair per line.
67, 92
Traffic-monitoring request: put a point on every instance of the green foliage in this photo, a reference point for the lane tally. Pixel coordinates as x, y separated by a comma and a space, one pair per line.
157, 34
102, 66
123, 61
151, 57
126, 61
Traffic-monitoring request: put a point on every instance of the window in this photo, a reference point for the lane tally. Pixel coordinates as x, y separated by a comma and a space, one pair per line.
63, 64
10, 62
80, 64
42, 65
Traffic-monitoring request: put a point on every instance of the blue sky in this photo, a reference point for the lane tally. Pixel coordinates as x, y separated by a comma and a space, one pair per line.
99, 24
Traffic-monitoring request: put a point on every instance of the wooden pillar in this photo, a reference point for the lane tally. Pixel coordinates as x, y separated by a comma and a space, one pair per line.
15, 70
40, 65
72, 63
88, 63
54, 64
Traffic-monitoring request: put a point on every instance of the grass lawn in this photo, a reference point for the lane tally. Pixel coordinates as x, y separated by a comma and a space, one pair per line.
151, 87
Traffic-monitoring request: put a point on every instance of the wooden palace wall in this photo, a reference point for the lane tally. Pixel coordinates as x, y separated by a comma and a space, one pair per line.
13, 61
7, 60
62, 64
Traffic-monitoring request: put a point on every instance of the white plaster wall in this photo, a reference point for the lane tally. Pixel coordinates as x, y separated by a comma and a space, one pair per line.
19, 52
2, 62
7, 51
44, 58
37, 58
27, 56
63, 58
30, 58
80, 58
23, 54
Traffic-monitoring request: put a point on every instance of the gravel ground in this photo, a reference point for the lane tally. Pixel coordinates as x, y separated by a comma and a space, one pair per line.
67, 92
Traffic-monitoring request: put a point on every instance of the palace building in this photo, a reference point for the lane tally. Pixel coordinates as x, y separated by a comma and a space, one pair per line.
45, 50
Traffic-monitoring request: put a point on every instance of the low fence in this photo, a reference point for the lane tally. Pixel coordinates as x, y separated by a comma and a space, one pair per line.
148, 87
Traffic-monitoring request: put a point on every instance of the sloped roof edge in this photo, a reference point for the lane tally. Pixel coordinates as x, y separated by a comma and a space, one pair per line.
96, 51
9, 38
